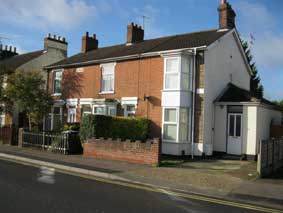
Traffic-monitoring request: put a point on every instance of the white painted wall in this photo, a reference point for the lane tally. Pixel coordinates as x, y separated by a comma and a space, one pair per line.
250, 116
219, 144
222, 60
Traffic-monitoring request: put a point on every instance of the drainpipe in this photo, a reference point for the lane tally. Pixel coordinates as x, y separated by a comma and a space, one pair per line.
193, 103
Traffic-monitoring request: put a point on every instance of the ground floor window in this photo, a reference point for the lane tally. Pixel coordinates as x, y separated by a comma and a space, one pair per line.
105, 109
71, 114
176, 124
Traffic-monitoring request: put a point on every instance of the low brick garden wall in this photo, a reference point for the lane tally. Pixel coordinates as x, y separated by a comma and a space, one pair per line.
135, 152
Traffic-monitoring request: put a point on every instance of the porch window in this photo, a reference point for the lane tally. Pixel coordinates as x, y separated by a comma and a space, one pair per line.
107, 78
235, 125
129, 110
86, 110
71, 114
57, 82
99, 110
171, 73
170, 124
185, 73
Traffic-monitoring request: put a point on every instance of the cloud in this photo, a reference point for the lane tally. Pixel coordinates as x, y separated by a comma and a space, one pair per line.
43, 14
256, 19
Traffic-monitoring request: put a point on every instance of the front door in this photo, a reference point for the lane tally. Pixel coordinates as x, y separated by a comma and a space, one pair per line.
234, 143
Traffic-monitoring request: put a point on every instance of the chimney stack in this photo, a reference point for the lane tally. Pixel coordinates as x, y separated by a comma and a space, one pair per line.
52, 42
7, 51
135, 33
89, 43
226, 15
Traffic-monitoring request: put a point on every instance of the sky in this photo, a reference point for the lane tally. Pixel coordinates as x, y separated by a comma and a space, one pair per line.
25, 23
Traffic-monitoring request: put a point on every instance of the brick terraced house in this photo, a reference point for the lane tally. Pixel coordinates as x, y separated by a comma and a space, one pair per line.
194, 87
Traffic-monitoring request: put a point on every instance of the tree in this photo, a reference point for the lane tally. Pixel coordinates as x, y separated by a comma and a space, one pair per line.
279, 103
255, 86
25, 90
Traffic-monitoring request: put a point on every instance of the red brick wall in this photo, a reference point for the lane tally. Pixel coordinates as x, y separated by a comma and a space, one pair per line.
135, 152
133, 78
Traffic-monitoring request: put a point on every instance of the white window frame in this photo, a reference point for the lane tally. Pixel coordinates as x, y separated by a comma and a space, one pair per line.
178, 58
107, 66
186, 71
53, 81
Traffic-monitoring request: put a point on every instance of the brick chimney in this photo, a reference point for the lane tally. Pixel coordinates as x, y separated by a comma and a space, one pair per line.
89, 43
226, 15
7, 52
134, 33
54, 42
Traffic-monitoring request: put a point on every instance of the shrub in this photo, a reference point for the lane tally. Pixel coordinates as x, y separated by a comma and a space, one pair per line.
72, 126
114, 127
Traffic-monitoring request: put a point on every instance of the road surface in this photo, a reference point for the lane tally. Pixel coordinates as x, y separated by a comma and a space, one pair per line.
30, 189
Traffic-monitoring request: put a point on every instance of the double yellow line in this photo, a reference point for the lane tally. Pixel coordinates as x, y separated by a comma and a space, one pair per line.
179, 194
162, 191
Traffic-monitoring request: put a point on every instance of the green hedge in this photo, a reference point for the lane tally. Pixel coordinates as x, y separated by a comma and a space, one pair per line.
114, 127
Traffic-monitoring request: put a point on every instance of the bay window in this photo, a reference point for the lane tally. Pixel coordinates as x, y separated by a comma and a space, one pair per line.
57, 81
86, 109
105, 109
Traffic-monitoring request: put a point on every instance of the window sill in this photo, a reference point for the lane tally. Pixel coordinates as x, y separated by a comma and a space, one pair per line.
105, 93
56, 94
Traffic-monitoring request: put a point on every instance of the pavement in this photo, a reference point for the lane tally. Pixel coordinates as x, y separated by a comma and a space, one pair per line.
46, 190
205, 178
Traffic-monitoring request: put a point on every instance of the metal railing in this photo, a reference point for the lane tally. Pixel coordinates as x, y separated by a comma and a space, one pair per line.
47, 141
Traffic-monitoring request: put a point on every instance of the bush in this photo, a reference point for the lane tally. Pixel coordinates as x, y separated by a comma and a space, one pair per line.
72, 126
114, 127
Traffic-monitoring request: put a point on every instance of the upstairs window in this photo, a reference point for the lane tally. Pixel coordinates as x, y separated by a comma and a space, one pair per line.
171, 73
57, 82
107, 78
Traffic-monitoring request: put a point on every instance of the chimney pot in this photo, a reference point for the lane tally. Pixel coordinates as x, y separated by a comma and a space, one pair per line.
15, 49
1, 46
223, 1
6, 47
54, 37
10, 48
64, 39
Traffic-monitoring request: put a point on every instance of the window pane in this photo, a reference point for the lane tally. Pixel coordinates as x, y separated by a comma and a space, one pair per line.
183, 132
170, 115
107, 79
172, 65
185, 81
170, 132
238, 125
130, 107
231, 125
184, 115
171, 81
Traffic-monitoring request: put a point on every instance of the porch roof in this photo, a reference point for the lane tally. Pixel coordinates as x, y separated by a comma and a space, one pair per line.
233, 93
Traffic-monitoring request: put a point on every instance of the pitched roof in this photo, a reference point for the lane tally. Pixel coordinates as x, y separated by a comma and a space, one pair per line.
188, 40
18, 60
232, 93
